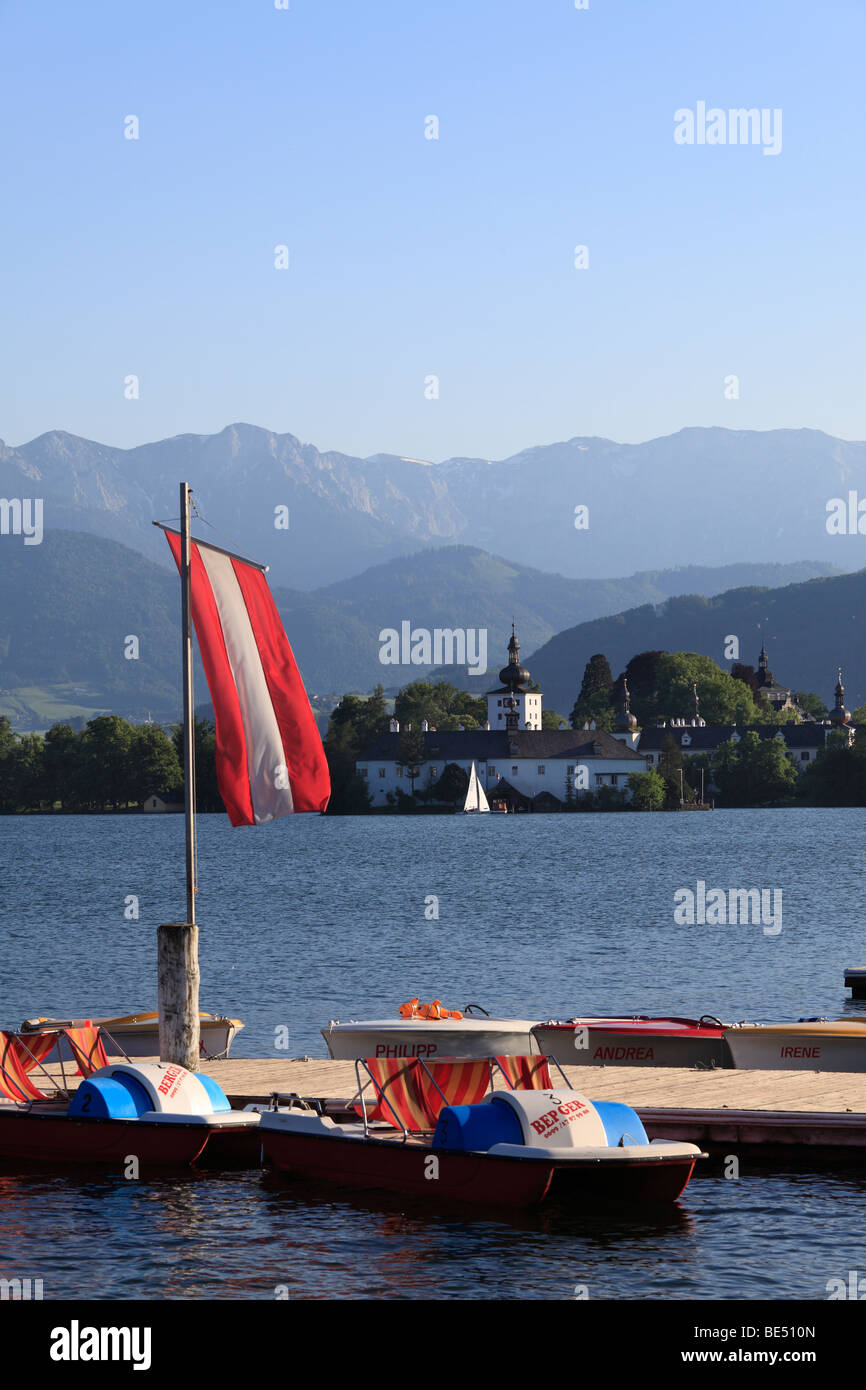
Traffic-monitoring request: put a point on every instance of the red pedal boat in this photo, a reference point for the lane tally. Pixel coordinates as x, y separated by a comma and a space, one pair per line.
156, 1112
445, 1131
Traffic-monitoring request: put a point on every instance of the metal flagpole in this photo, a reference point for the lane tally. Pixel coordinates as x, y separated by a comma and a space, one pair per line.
188, 716
177, 942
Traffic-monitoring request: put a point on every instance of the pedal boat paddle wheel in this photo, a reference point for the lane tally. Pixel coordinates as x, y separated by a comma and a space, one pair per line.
492, 1132
157, 1112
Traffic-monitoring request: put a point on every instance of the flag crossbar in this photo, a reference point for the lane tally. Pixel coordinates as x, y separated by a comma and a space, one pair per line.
220, 550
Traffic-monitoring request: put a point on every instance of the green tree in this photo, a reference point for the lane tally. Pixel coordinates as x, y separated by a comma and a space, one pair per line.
453, 784
837, 777
648, 791
671, 764
642, 674
748, 675
207, 795
754, 771
810, 703
155, 764
105, 765
60, 762
354, 726
723, 700
442, 704
550, 719
596, 691
412, 753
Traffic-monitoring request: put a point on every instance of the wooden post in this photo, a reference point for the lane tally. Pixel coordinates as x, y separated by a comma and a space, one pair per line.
177, 964
177, 942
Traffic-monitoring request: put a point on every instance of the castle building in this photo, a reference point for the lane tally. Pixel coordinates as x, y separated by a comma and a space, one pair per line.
535, 769
518, 762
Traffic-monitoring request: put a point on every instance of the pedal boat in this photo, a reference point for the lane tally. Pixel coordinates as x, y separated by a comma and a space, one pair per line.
157, 1112
469, 1036
137, 1035
817, 1044
432, 1135
639, 1041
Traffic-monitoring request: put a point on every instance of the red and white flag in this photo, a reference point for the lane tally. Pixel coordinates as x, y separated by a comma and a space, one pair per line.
269, 755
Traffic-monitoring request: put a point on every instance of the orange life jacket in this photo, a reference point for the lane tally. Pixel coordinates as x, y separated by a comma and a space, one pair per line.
434, 1011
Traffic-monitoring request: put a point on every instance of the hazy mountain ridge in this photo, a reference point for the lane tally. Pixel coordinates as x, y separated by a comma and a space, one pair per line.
810, 628
70, 603
701, 496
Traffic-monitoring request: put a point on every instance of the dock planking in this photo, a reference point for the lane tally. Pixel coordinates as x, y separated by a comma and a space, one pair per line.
807, 1113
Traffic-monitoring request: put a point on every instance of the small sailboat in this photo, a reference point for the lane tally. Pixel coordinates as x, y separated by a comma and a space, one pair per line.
476, 800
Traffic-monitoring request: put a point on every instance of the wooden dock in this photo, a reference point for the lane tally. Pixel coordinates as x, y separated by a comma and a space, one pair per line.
803, 1114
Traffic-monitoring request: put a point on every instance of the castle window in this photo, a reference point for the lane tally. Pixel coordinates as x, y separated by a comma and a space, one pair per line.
804, 757
382, 772
514, 772
362, 771
541, 769
434, 773
491, 769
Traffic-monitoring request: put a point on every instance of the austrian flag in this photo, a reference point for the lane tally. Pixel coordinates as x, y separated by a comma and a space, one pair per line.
269, 756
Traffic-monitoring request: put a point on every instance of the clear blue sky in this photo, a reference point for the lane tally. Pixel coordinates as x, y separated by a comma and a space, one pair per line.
409, 256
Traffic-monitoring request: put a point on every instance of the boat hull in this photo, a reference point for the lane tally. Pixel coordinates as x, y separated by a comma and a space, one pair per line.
601, 1042
43, 1139
799, 1047
140, 1038
479, 1179
467, 1037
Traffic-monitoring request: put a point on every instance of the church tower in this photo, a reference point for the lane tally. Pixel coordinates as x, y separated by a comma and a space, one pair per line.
625, 725
840, 717
511, 706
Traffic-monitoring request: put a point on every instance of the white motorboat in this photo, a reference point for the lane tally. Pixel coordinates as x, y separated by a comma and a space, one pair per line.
471, 1036
811, 1044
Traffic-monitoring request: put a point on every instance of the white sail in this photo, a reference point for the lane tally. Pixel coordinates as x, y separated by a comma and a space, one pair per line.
475, 797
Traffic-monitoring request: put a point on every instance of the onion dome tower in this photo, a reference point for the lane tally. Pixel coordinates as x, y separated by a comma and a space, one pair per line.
840, 717
511, 706
625, 723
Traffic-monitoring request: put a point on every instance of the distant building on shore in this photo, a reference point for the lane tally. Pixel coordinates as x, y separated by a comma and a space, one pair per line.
535, 769
518, 762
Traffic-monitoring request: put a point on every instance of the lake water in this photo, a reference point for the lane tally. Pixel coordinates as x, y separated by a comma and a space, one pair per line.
315, 918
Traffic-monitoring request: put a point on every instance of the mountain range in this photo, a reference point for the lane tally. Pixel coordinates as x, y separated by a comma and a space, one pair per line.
699, 497
70, 604
810, 629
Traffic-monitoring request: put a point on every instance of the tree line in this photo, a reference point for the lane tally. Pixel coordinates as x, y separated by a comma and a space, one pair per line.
109, 765
112, 765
